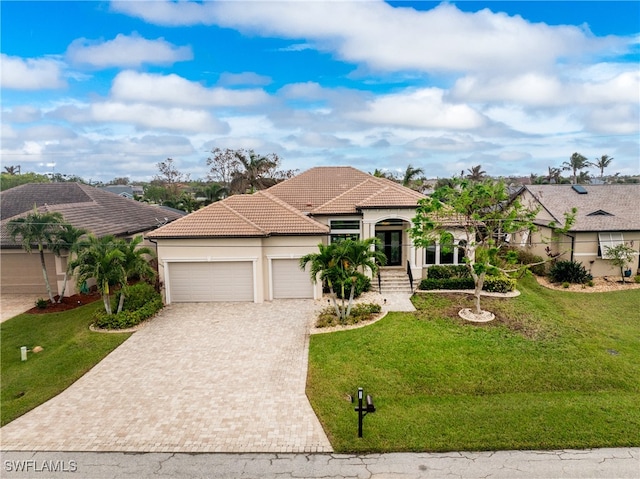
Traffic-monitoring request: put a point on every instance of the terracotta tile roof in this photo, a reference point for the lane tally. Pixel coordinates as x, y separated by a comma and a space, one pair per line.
602, 208
84, 206
340, 189
257, 215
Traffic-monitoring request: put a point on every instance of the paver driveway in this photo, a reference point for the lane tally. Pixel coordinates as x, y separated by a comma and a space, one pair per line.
217, 377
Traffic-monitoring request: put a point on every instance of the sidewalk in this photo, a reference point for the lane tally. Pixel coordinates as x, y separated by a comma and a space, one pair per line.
620, 463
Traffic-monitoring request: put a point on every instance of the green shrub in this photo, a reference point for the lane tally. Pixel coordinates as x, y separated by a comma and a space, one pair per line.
570, 272
41, 303
636, 278
141, 303
591, 283
359, 313
363, 284
524, 257
565, 285
451, 283
499, 284
448, 271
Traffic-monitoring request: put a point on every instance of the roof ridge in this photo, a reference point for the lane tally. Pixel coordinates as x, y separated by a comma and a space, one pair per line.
239, 215
286, 205
335, 198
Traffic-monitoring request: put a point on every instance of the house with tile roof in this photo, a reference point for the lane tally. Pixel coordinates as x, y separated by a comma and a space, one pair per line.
97, 211
247, 247
607, 215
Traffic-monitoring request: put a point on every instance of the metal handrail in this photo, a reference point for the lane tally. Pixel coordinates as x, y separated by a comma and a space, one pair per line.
410, 273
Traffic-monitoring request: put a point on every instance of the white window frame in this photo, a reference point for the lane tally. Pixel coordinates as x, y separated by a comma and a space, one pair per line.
610, 239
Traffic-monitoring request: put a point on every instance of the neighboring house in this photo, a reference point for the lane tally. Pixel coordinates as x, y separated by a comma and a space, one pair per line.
126, 191
99, 212
247, 247
607, 215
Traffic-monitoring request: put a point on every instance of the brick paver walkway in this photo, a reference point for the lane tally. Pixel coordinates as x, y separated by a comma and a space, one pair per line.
199, 378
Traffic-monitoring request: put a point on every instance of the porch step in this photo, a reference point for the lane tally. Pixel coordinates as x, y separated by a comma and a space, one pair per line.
393, 281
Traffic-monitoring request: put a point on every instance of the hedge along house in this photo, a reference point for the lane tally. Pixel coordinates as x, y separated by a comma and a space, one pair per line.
99, 212
607, 215
248, 247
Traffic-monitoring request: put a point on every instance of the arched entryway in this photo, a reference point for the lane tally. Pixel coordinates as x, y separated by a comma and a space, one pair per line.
393, 240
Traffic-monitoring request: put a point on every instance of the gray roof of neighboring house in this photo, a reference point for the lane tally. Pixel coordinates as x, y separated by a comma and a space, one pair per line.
600, 208
100, 212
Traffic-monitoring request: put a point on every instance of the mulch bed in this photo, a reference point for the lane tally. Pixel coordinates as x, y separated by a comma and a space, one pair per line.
68, 302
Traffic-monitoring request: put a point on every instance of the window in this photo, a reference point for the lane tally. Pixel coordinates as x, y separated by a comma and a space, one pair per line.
446, 249
449, 251
344, 229
608, 240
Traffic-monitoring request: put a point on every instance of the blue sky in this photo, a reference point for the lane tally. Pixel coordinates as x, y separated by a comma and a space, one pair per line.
109, 89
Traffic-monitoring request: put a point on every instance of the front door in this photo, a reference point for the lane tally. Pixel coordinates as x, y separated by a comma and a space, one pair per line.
391, 246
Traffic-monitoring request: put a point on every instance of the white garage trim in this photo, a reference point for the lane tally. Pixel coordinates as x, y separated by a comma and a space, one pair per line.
287, 280
176, 267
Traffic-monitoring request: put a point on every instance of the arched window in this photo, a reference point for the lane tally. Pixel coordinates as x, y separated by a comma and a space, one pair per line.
461, 246
446, 248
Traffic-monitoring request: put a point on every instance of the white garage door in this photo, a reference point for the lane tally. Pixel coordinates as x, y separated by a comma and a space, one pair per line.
289, 281
215, 281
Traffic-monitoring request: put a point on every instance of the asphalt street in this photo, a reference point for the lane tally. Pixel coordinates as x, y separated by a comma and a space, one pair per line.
618, 463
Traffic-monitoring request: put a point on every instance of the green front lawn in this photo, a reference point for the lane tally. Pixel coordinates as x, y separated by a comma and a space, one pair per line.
555, 370
70, 350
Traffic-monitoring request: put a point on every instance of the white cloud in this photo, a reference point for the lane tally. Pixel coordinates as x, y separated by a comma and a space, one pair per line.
614, 119
30, 73
22, 114
387, 38
450, 143
126, 51
317, 140
422, 108
175, 90
244, 78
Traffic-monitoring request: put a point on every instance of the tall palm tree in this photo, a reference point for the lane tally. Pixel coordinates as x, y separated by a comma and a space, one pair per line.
35, 229
601, 163
257, 172
476, 173
12, 170
66, 240
554, 175
102, 260
411, 175
576, 163
135, 264
338, 263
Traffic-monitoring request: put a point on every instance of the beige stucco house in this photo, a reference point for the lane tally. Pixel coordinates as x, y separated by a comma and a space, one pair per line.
607, 215
99, 212
247, 247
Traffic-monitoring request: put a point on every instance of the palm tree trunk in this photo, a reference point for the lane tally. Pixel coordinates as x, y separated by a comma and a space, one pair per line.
335, 302
121, 302
64, 287
44, 273
353, 288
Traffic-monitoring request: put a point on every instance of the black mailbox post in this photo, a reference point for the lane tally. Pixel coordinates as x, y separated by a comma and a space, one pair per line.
363, 410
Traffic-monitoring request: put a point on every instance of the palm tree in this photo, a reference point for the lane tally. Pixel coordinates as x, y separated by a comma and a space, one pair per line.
338, 263
256, 174
554, 175
66, 239
476, 173
213, 192
102, 260
35, 229
576, 162
601, 163
583, 178
12, 170
411, 175
135, 263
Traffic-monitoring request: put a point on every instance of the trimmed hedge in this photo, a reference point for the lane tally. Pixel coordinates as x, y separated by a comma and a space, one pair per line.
493, 284
499, 284
142, 302
448, 271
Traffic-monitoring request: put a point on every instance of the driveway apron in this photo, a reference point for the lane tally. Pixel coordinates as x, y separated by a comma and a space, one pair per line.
205, 377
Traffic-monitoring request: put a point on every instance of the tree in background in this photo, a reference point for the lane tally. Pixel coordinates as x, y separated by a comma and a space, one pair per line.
256, 172
36, 229
212, 192
170, 177
223, 165
601, 163
8, 181
65, 240
12, 170
576, 163
412, 176
476, 173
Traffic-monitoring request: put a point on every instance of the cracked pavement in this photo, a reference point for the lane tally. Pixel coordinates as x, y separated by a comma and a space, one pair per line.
613, 463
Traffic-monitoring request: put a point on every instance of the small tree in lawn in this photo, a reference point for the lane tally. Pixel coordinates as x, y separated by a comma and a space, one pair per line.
338, 263
486, 214
620, 255
36, 229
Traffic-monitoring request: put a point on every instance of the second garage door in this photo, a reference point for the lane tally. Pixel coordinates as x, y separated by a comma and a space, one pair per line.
289, 281
214, 281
